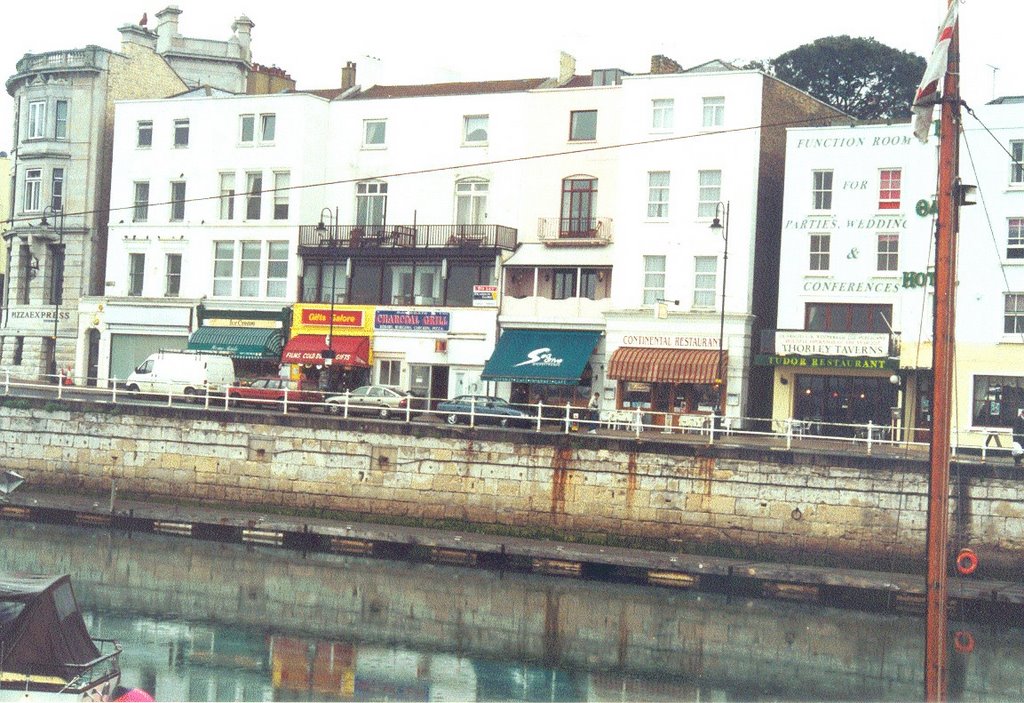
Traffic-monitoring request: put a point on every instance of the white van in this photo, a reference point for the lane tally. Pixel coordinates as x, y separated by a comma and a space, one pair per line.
182, 373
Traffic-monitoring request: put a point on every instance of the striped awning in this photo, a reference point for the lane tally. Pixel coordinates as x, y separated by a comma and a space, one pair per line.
666, 365
238, 342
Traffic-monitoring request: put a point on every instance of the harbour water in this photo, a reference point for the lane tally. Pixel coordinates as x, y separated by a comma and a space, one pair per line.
210, 621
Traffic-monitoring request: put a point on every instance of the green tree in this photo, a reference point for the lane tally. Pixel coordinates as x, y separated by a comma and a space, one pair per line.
862, 77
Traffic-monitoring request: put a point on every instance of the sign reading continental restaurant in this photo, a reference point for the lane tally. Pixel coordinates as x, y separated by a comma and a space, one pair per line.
414, 320
860, 344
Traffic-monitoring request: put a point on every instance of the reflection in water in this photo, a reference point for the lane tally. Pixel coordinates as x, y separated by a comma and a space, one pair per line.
209, 621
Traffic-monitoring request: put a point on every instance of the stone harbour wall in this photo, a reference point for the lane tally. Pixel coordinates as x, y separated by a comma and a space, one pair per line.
741, 501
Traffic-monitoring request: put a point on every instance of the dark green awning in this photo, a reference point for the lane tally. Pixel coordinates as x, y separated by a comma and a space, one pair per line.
239, 342
541, 356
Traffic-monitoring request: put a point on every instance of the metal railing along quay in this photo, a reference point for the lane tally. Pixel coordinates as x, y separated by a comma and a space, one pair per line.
710, 429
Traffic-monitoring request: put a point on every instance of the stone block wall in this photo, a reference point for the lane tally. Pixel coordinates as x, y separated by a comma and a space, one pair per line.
802, 507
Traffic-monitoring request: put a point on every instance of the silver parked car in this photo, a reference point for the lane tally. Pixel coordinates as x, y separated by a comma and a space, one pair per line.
382, 401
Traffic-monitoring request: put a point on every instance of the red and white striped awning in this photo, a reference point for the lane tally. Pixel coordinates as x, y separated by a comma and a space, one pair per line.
666, 365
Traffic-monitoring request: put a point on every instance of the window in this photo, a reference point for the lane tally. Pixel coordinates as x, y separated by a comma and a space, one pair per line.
1017, 165
36, 119
888, 252
371, 203
248, 129
172, 282
60, 120
654, 279
847, 317
705, 274
709, 193
821, 190
277, 269
282, 180
389, 372
25, 273
56, 252
1013, 320
820, 252
177, 201
136, 273
564, 284
144, 134
590, 283
33, 189
254, 195
996, 399
249, 270
268, 127
714, 112
474, 129
19, 349
373, 133
578, 198
180, 133
657, 194
889, 189
582, 125
428, 284
57, 189
227, 196
223, 267
661, 113
1015, 238
140, 213
471, 202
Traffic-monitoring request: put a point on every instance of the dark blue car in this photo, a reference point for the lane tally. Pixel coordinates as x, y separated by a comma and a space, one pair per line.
486, 410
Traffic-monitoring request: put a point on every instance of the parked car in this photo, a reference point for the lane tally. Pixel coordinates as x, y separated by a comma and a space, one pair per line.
273, 389
382, 401
487, 410
182, 372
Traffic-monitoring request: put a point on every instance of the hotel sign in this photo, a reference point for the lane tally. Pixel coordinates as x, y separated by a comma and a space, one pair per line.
833, 344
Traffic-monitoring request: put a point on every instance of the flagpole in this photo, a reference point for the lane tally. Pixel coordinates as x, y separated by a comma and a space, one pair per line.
943, 349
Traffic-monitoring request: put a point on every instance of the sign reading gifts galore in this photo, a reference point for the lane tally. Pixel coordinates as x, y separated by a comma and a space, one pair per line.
342, 318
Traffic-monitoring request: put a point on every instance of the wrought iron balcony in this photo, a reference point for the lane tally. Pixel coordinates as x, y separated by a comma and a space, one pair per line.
575, 231
408, 236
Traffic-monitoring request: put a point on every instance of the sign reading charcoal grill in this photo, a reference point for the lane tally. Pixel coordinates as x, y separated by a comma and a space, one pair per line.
414, 320
862, 344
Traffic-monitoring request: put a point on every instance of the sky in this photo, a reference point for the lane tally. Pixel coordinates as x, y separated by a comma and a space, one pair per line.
406, 41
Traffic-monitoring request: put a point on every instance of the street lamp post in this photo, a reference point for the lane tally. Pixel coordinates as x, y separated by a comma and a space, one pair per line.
332, 217
720, 224
57, 279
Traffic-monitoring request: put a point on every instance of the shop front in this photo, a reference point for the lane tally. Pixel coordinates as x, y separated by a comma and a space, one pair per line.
330, 346
836, 384
669, 383
543, 365
252, 338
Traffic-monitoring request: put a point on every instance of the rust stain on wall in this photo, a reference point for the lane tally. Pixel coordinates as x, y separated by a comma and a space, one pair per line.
561, 461
705, 469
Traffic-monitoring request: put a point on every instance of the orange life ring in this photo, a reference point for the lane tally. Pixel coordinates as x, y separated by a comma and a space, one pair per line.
963, 641
966, 561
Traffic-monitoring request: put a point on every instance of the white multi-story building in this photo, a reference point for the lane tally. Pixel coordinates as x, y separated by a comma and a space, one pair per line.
582, 205
856, 285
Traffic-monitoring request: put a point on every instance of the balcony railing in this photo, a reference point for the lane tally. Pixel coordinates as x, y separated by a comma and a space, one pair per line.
401, 236
75, 58
574, 231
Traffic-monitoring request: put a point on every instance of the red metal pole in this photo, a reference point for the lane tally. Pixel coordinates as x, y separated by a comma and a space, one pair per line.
936, 625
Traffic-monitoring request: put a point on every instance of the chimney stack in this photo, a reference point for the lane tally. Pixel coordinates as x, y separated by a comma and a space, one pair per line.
242, 27
348, 75
663, 64
566, 67
166, 28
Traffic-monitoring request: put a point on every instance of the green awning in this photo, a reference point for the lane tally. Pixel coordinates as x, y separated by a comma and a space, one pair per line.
541, 356
239, 342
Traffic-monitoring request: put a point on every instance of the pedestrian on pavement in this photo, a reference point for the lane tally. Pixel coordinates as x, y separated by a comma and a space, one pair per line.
1018, 437
594, 414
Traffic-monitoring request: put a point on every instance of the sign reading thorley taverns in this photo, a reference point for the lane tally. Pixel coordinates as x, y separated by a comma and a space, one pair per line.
863, 344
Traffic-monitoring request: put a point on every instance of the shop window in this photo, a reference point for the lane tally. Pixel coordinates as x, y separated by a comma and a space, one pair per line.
389, 372
843, 405
996, 400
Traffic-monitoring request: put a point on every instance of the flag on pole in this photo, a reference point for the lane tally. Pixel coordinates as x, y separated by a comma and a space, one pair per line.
929, 92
